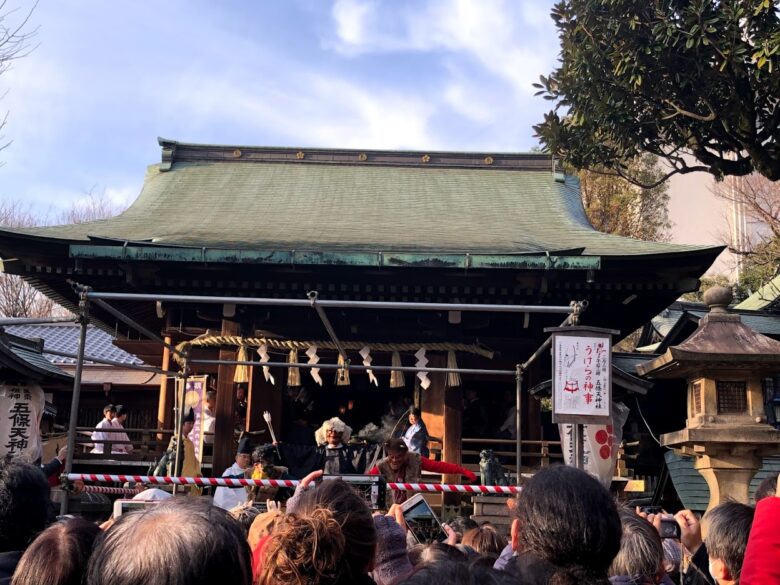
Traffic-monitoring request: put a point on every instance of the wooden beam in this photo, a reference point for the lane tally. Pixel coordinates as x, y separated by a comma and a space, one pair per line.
164, 412
224, 452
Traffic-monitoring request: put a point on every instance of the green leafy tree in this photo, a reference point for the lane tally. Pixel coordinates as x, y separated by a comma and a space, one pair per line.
617, 206
694, 82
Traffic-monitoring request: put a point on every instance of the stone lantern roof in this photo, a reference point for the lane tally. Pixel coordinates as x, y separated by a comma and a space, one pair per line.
721, 341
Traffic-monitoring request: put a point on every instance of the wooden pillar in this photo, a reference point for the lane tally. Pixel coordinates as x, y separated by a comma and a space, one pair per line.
226, 404
164, 414
442, 412
261, 396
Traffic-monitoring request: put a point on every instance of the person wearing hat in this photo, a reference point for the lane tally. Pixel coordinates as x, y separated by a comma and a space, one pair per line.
402, 466
102, 431
416, 434
226, 497
188, 463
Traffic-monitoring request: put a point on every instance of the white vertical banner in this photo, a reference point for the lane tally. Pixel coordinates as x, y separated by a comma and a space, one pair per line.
601, 444
21, 409
582, 378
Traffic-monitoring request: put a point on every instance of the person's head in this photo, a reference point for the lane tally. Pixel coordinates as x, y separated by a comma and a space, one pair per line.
437, 552
449, 572
177, 542
59, 555
330, 538
24, 504
485, 540
244, 453
334, 432
244, 514
415, 415
397, 453
727, 527
264, 458
188, 422
470, 394
211, 400
641, 554
767, 488
240, 393
120, 413
568, 519
461, 525
109, 411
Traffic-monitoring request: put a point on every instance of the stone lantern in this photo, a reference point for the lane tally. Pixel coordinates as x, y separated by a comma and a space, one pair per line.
726, 431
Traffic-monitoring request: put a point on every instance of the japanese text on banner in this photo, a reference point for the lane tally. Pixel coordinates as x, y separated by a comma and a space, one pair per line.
581, 376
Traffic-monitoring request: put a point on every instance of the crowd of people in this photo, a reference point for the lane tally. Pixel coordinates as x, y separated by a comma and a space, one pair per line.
566, 529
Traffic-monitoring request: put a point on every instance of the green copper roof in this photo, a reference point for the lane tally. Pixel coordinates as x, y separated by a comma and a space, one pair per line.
360, 202
764, 297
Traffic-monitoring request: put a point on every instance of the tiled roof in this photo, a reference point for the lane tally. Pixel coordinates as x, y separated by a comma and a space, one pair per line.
65, 337
270, 200
26, 354
765, 323
764, 297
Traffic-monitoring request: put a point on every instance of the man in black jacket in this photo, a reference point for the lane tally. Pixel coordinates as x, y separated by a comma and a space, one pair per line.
24, 510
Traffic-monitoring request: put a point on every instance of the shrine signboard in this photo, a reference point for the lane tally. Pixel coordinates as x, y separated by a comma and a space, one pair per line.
21, 409
582, 375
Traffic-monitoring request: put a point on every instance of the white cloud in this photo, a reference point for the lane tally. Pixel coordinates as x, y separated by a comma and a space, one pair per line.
353, 19
512, 40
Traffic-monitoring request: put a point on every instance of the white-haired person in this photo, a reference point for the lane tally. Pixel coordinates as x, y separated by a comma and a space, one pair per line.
335, 456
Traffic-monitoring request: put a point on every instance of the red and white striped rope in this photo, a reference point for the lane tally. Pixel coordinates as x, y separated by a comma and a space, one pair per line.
289, 483
101, 489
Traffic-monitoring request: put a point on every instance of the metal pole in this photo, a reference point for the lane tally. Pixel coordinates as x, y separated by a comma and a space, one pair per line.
90, 358
180, 407
134, 324
358, 367
579, 446
518, 419
334, 304
328, 327
36, 321
74, 402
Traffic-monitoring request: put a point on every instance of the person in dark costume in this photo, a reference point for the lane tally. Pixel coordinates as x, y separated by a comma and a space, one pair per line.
335, 457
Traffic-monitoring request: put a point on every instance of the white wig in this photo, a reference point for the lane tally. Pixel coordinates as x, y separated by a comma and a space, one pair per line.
337, 425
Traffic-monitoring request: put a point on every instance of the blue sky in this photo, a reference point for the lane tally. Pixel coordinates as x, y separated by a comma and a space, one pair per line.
108, 77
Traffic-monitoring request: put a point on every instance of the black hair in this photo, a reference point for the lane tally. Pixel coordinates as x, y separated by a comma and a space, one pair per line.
24, 504
416, 411
265, 453
395, 445
59, 555
177, 542
766, 489
120, 409
462, 524
728, 528
109, 408
569, 520
445, 572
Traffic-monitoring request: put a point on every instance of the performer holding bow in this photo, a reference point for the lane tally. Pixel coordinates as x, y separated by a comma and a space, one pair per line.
402, 466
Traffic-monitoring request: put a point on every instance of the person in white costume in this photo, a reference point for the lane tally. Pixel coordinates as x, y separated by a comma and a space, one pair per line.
225, 497
102, 431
